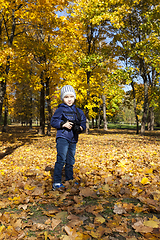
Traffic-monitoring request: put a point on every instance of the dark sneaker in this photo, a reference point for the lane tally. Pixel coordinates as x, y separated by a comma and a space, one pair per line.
57, 186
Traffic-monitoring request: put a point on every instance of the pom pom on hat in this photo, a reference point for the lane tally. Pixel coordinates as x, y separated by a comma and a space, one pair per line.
67, 89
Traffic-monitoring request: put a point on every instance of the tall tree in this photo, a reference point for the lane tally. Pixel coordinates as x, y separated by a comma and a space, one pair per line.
91, 56
34, 51
10, 28
135, 26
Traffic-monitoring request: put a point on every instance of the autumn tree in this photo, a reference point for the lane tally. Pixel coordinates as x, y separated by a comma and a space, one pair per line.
40, 23
10, 28
157, 111
90, 57
136, 38
26, 97
134, 99
32, 66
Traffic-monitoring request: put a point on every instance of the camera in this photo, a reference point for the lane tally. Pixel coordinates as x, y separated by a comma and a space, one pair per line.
76, 127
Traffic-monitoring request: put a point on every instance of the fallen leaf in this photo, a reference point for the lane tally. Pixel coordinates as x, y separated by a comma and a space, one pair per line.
63, 196
11, 231
70, 231
29, 187
118, 209
38, 191
61, 215
98, 233
78, 199
156, 231
21, 236
131, 238
24, 206
2, 228
105, 187
48, 221
55, 223
18, 224
99, 219
139, 227
87, 192
90, 227
151, 224
3, 205
145, 181
50, 213
40, 226
121, 229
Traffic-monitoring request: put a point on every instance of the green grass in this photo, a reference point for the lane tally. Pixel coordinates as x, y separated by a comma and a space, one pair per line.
121, 126
124, 126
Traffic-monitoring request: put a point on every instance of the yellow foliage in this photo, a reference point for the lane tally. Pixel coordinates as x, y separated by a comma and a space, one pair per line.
145, 181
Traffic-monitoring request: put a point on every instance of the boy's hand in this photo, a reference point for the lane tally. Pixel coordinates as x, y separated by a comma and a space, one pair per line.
67, 125
81, 128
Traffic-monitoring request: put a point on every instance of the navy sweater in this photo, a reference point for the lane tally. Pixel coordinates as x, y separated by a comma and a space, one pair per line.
63, 113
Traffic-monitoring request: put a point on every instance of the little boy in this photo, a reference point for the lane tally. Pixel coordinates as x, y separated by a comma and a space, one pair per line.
69, 122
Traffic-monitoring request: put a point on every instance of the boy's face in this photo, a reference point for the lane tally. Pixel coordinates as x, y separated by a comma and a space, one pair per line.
69, 99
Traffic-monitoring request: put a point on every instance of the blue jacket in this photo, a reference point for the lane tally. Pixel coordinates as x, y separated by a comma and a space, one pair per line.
63, 113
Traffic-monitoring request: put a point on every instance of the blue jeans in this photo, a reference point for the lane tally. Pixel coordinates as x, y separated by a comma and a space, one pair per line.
65, 156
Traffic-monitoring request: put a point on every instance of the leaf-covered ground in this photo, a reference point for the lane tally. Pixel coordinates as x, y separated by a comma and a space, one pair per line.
118, 196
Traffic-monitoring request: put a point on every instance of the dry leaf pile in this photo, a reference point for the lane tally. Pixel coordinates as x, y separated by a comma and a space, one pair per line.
118, 196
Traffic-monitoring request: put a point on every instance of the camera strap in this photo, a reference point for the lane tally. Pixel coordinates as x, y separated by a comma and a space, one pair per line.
78, 115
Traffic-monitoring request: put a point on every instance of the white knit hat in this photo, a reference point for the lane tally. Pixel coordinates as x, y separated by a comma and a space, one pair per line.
67, 89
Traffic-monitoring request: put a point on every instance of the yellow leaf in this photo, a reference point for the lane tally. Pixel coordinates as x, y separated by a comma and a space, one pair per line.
148, 170
105, 187
90, 227
145, 181
11, 231
151, 223
28, 187
16, 200
99, 232
99, 219
2, 228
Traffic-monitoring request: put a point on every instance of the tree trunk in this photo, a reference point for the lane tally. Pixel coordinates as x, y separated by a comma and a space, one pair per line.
10, 36
49, 115
135, 107
3, 87
5, 119
2, 94
87, 111
145, 108
104, 113
96, 122
151, 119
92, 123
37, 121
99, 118
42, 108
87, 121
30, 121
152, 84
